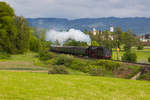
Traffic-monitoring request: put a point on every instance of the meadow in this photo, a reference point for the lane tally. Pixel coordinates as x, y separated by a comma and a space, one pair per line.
41, 86
142, 55
18, 81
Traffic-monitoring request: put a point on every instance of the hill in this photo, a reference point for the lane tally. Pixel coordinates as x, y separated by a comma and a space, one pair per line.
139, 25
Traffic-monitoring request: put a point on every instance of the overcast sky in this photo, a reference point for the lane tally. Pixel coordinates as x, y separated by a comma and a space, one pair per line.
81, 8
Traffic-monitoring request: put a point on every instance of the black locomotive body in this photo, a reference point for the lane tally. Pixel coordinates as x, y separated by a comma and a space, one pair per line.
91, 51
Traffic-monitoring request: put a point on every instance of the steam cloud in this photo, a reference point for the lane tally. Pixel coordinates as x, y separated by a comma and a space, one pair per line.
61, 37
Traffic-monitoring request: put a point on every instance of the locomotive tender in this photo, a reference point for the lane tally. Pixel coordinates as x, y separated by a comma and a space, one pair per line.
91, 51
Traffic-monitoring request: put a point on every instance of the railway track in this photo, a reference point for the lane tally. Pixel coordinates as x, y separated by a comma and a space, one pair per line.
125, 62
139, 64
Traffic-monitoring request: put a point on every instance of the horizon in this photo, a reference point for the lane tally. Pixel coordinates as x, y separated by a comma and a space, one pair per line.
82, 18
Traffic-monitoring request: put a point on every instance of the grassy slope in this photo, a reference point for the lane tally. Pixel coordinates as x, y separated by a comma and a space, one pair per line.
29, 61
21, 62
41, 86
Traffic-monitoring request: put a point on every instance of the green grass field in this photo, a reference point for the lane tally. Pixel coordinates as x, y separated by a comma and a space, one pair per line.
22, 62
41, 86
142, 55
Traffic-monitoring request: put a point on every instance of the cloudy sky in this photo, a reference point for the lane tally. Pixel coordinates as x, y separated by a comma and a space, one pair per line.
81, 8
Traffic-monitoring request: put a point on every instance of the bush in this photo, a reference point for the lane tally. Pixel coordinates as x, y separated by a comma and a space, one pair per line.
58, 70
96, 70
140, 47
46, 55
4, 56
109, 65
79, 65
63, 60
127, 47
149, 59
129, 57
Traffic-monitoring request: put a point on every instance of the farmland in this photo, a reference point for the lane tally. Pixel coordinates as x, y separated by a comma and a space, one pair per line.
142, 55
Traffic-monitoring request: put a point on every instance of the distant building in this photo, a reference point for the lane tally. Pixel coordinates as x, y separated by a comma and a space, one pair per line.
95, 32
111, 28
144, 38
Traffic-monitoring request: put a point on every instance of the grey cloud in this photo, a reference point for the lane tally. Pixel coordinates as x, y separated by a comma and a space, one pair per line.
81, 8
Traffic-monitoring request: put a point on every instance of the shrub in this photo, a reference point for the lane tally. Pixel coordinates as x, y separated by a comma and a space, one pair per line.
63, 60
127, 47
58, 70
109, 65
129, 56
79, 65
149, 59
37, 62
140, 47
4, 56
96, 70
46, 55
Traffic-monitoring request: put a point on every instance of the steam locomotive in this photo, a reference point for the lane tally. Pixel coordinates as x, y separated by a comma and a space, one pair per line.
91, 51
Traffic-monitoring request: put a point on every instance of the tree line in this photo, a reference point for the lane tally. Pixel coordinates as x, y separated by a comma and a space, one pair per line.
15, 34
116, 39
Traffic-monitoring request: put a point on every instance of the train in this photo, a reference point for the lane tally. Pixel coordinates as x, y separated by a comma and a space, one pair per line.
98, 52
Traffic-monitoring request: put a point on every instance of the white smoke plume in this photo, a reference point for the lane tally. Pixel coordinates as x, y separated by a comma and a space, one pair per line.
61, 37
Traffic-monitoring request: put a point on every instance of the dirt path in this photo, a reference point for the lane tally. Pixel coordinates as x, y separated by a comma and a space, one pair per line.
136, 76
37, 71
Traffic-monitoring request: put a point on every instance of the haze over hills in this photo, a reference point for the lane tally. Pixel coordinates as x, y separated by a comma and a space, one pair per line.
139, 25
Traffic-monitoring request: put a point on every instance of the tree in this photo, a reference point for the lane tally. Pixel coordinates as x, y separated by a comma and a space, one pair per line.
129, 56
128, 40
35, 44
23, 34
71, 42
39, 33
118, 32
8, 29
106, 40
85, 31
94, 43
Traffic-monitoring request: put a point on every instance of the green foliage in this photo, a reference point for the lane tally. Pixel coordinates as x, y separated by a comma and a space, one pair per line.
109, 65
140, 47
127, 47
94, 43
129, 56
46, 55
145, 76
118, 37
8, 29
63, 60
71, 42
149, 59
39, 33
23, 34
70, 62
84, 66
4, 55
96, 70
58, 70
128, 40
14, 31
79, 65
35, 44
103, 67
